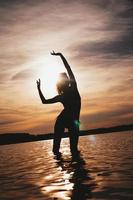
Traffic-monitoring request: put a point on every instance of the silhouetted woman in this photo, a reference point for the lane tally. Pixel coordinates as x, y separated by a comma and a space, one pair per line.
69, 96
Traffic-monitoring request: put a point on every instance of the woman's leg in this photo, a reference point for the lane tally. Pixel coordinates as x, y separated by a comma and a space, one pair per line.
74, 136
58, 132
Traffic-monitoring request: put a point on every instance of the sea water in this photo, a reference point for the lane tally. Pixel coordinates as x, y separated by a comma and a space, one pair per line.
103, 170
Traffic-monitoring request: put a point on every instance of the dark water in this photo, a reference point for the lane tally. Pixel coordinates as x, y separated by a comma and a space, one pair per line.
104, 169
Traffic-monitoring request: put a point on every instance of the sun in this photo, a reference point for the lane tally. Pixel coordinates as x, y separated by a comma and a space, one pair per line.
48, 72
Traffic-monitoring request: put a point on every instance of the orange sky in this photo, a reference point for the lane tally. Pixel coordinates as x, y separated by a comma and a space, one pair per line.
96, 38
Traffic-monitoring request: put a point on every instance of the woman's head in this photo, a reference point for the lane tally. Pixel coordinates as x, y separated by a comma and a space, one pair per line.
63, 83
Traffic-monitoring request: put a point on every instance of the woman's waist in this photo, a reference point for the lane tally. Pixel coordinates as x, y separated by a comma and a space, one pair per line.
71, 114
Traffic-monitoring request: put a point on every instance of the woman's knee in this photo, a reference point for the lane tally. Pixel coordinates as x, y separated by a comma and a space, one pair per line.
73, 128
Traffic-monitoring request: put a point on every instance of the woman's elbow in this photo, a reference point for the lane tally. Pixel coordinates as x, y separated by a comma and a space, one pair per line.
44, 101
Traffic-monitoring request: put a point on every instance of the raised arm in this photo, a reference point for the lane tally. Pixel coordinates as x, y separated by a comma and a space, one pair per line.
67, 66
47, 101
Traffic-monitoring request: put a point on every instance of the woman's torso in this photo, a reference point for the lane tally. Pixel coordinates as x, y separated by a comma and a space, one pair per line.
71, 101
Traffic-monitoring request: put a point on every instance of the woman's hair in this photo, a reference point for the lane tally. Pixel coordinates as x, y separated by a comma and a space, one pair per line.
63, 83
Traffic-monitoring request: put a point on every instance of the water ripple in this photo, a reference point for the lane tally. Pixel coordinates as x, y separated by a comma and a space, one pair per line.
103, 170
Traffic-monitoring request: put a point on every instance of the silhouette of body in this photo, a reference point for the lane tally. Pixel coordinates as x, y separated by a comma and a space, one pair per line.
71, 100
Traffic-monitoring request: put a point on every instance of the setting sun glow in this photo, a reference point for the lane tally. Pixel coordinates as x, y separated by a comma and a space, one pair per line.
49, 74
96, 39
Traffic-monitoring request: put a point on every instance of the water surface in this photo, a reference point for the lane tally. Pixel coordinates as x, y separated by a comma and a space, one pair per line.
104, 169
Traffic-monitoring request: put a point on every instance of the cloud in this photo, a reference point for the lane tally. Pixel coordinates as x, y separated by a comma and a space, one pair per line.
23, 75
109, 107
7, 122
92, 34
115, 35
123, 86
108, 116
120, 47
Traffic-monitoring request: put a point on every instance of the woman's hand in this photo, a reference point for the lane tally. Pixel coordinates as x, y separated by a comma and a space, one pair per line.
55, 54
38, 83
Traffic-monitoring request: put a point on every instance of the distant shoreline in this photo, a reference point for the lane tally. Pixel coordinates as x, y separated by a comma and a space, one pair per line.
14, 138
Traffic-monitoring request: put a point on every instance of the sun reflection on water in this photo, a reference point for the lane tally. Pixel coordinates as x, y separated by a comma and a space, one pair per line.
31, 171
92, 138
66, 177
